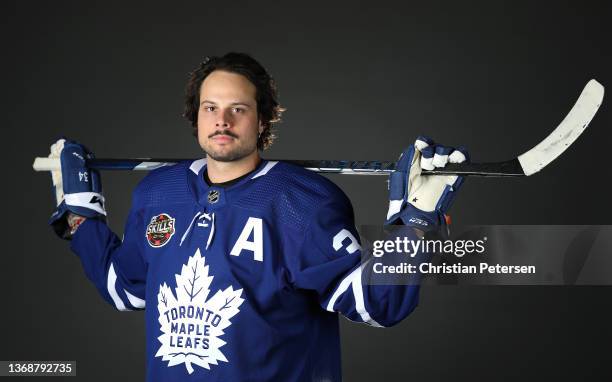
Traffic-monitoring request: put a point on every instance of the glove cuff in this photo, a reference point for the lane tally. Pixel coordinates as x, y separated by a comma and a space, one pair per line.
59, 219
428, 222
88, 204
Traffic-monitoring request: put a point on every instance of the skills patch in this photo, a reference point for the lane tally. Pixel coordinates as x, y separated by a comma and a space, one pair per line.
160, 230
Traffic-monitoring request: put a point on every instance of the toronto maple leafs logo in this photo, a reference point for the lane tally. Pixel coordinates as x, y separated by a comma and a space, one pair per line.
192, 324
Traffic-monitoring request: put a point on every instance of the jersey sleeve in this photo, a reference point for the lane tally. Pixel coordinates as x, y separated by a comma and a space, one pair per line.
329, 263
116, 267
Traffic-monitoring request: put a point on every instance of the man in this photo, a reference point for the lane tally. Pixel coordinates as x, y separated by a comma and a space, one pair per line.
241, 263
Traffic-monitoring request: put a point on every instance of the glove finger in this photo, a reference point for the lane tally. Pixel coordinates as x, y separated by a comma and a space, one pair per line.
56, 148
423, 141
427, 156
440, 158
460, 155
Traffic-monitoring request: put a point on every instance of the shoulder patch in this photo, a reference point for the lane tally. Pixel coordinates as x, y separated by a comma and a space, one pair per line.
160, 230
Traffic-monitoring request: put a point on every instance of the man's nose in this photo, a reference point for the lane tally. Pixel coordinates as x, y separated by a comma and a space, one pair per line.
224, 120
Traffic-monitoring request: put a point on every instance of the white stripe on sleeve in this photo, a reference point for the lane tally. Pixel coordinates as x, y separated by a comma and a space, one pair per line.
136, 302
110, 285
344, 284
354, 280
360, 303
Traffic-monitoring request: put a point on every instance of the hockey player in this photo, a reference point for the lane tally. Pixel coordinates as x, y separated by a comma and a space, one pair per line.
242, 264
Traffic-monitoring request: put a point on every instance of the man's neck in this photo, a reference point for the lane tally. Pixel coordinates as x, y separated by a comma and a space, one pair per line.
220, 172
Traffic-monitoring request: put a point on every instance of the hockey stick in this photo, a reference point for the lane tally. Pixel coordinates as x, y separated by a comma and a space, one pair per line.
525, 164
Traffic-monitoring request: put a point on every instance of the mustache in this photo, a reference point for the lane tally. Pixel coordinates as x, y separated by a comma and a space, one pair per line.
223, 132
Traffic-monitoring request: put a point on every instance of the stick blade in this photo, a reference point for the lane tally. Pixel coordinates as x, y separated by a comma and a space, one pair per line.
567, 132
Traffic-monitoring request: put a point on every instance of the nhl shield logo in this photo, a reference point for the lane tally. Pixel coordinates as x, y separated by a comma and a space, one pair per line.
160, 230
213, 196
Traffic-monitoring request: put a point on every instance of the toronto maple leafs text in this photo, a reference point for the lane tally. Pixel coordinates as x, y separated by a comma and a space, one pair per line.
191, 335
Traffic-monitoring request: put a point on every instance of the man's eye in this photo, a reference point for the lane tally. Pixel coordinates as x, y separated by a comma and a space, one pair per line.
237, 110
209, 108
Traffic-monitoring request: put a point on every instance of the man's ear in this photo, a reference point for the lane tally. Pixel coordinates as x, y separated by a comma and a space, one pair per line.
261, 127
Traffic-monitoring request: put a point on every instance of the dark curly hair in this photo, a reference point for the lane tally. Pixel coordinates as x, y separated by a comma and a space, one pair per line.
268, 107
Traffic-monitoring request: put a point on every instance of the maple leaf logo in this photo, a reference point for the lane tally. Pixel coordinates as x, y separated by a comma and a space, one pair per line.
191, 324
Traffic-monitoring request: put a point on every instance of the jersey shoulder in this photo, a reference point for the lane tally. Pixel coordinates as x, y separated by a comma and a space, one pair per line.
293, 194
321, 188
164, 185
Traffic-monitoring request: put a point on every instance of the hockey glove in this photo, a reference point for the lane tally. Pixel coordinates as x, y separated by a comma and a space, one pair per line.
77, 189
421, 201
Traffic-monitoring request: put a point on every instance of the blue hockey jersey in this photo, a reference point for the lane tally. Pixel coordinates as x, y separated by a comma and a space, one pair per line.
239, 283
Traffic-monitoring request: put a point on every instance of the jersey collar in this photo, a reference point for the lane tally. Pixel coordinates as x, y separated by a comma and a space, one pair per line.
214, 197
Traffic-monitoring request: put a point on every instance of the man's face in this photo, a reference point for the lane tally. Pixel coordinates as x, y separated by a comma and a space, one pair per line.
228, 124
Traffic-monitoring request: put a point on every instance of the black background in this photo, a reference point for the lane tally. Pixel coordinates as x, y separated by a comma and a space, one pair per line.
360, 80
